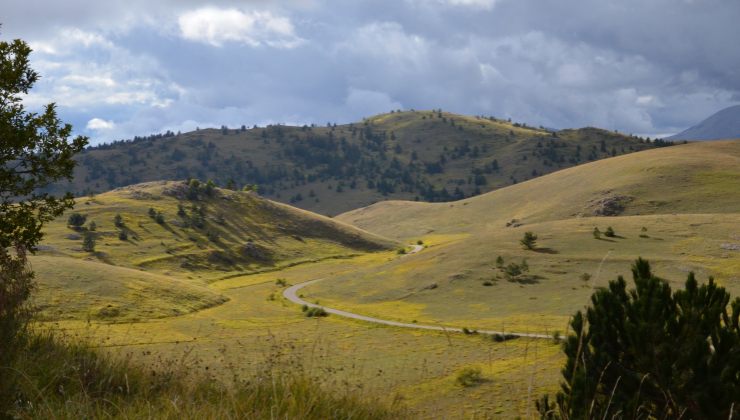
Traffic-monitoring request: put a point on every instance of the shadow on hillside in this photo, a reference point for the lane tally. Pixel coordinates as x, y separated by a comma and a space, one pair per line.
605, 239
528, 279
546, 251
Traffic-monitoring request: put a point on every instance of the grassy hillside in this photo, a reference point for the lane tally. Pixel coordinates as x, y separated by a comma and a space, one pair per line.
690, 178
171, 240
678, 207
413, 155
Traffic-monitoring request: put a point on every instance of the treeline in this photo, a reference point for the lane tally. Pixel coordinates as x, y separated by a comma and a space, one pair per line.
431, 156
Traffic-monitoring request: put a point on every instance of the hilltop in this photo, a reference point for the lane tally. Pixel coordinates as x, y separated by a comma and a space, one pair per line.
411, 155
724, 124
158, 245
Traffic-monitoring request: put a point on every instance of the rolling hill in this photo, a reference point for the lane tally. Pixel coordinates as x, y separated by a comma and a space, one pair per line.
724, 124
158, 244
678, 207
411, 155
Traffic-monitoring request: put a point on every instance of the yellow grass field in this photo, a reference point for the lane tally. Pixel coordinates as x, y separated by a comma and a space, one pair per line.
678, 207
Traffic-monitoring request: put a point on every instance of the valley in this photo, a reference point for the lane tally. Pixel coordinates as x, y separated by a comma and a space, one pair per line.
403, 262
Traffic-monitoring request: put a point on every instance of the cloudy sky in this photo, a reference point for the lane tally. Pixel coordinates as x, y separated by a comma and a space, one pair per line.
119, 68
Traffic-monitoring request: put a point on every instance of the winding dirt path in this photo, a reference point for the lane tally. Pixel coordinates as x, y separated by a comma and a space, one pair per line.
291, 293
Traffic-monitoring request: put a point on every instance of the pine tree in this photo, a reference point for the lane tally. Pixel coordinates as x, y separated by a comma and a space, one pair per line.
88, 242
529, 241
652, 353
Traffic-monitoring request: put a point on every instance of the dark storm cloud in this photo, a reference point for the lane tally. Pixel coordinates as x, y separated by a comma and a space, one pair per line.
119, 69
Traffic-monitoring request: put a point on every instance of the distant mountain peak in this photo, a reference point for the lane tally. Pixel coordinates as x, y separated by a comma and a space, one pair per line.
724, 124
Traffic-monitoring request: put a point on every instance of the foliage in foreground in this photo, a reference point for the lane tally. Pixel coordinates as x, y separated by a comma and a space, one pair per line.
53, 378
652, 353
35, 150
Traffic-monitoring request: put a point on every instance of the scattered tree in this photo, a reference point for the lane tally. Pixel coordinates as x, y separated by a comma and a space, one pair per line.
88, 242
123, 235
516, 272
529, 241
76, 220
597, 233
118, 221
609, 232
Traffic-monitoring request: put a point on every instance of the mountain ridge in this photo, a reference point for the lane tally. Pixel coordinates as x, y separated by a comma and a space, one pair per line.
431, 156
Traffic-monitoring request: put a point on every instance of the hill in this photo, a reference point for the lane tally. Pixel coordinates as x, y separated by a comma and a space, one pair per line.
412, 155
157, 246
724, 124
690, 178
678, 207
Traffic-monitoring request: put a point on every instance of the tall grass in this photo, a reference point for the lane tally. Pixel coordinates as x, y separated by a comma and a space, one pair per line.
55, 378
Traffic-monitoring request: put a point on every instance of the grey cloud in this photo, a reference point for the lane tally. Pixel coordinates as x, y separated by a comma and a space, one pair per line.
647, 67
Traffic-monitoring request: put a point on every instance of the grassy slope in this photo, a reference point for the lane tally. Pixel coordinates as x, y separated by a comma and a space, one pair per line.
463, 243
162, 269
691, 178
686, 197
468, 144
233, 339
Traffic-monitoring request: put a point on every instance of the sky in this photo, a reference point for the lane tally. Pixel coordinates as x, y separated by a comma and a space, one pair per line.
121, 68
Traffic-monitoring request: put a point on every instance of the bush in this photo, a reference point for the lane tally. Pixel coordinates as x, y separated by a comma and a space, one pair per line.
470, 376
92, 227
76, 220
16, 285
123, 235
315, 312
499, 338
159, 218
500, 261
652, 352
118, 221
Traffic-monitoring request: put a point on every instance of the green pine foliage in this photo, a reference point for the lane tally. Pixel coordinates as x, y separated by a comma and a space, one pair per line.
651, 352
